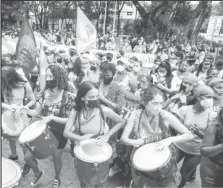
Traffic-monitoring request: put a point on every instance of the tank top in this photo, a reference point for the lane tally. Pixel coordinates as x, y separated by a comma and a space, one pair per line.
140, 131
82, 125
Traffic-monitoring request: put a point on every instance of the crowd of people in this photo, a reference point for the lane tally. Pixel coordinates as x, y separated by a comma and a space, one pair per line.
176, 104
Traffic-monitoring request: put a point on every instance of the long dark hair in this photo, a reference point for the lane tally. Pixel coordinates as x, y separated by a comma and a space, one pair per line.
82, 91
11, 79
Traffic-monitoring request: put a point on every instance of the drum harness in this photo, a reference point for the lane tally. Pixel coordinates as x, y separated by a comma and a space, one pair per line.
153, 138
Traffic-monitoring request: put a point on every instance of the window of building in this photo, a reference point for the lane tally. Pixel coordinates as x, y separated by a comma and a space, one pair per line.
129, 13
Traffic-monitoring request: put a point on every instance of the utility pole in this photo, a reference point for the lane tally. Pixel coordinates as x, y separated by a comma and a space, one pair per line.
106, 4
114, 17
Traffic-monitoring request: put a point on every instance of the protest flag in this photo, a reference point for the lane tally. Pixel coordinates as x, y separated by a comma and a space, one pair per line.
26, 47
42, 68
86, 33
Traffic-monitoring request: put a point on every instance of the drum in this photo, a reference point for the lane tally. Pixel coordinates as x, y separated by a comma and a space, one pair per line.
40, 139
152, 163
92, 161
11, 173
10, 124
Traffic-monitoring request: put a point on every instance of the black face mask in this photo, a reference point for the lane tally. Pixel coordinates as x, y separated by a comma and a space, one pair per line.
93, 103
59, 60
107, 80
51, 84
93, 68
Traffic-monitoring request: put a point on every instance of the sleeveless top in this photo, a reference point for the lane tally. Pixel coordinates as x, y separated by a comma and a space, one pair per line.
140, 131
57, 109
18, 95
82, 125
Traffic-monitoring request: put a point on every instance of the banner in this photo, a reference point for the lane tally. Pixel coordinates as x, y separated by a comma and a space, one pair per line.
85, 32
26, 47
42, 68
146, 59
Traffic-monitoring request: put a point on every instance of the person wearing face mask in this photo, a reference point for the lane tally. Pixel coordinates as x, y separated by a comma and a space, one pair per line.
217, 85
196, 118
127, 81
140, 47
163, 77
155, 66
142, 125
202, 70
55, 104
15, 89
178, 75
184, 96
88, 118
127, 47
110, 93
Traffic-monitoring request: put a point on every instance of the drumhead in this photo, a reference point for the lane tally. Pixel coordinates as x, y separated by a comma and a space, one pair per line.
31, 132
89, 151
148, 158
11, 173
10, 124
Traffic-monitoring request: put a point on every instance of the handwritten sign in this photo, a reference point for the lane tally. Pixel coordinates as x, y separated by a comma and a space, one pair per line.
146, 59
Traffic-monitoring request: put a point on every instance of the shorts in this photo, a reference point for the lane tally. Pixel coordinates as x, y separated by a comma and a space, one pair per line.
61, 139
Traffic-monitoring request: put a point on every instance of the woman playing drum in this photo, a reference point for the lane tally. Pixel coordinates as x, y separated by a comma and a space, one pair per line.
152, 124
14, 91
89, 117
55, 105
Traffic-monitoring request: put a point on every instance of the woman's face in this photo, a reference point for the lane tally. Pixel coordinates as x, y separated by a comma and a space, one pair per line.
85, 63
143, 83
213, 73
218, 89
156, 64
162, 72
206, 66
156, 104
188, 86
91, 95
183, 67
49, 75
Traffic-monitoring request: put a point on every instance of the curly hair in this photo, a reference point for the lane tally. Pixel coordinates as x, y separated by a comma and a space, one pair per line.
11, 79
60, 75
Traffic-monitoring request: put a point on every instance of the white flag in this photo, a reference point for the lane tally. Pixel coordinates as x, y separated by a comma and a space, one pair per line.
85, 32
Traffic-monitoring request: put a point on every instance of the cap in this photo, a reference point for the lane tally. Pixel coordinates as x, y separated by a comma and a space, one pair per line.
191, 78
203, 90
214, 81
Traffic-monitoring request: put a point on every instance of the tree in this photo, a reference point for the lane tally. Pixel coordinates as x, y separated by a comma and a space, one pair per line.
120, 5
204, 13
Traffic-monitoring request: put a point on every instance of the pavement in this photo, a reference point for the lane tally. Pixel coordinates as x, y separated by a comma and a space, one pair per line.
68, 174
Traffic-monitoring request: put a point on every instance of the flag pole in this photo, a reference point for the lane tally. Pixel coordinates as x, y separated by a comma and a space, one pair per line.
114, 18
76, 19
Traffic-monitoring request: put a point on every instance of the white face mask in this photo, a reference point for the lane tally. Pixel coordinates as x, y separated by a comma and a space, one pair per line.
136, 69
207, 103
162, 74
120, 68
